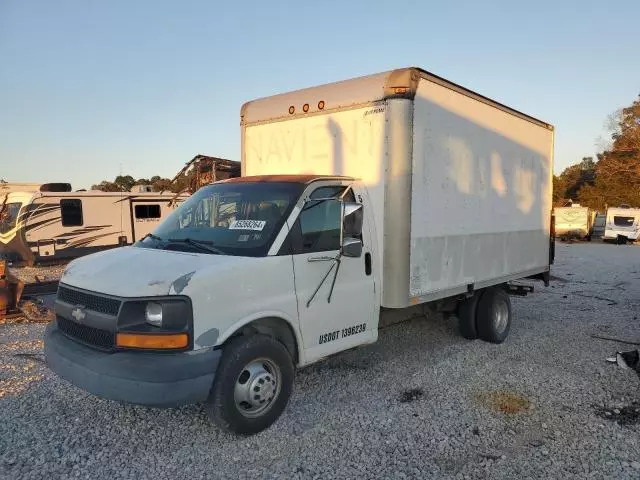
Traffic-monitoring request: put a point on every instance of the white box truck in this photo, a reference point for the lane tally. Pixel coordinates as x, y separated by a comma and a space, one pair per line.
394, 191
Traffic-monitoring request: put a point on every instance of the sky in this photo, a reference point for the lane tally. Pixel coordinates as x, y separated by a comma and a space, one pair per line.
89, 89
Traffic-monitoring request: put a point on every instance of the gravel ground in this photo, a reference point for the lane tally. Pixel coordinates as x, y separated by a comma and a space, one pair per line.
421, 403
44, 272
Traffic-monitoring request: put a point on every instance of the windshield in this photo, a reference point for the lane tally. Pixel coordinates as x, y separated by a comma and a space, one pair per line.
227, 218
623, 221
8, 216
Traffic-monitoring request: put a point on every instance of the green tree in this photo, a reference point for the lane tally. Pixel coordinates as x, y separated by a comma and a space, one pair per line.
617, 172
567, 185
106, 186
125, 182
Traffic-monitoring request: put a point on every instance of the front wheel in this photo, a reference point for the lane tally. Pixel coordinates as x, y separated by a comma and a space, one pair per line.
252, 385
494, 315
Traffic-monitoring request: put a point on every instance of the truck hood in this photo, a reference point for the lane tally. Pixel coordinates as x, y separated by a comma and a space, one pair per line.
138, 272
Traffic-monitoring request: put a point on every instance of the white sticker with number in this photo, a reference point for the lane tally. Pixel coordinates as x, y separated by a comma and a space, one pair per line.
256, 225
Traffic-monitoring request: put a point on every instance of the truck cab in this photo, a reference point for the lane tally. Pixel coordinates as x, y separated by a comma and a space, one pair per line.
246, 279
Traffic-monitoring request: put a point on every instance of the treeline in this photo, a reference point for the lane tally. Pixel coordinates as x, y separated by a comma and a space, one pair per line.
124, 183
612, 180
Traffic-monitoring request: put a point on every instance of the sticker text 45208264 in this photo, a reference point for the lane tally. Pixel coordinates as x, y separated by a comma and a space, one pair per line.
345, 332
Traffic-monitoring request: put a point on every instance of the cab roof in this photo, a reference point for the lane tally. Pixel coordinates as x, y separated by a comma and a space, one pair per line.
302, 179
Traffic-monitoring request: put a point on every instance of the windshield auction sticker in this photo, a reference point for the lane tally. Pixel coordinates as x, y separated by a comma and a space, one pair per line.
256, 225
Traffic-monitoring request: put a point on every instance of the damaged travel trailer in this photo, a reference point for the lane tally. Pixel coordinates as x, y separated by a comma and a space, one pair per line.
41, 222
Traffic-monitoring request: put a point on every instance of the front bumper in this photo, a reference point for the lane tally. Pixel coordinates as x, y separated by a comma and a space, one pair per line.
152, 379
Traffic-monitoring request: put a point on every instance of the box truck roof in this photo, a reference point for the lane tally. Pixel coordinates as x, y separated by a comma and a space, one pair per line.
399, 83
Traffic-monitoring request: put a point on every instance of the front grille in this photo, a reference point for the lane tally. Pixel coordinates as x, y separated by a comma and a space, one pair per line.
93, 337
97, 303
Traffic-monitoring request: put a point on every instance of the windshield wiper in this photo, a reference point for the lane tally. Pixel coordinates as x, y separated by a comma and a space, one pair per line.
151, 235
204, 245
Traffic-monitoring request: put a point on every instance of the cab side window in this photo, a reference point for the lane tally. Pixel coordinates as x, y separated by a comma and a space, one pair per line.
317, 228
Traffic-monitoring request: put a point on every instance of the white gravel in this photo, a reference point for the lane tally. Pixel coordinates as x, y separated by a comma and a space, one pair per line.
414, 405
42, 272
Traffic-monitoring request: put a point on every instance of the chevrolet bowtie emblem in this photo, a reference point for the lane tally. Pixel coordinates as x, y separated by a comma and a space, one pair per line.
78, 314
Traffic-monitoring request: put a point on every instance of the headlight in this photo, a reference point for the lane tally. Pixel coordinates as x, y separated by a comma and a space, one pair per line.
153, 314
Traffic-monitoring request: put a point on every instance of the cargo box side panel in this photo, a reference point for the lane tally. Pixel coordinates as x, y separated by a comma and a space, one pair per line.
481, 194
348, 142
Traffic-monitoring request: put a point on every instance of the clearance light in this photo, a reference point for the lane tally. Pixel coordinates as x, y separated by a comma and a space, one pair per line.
399, 90
321, 105
305, 108
142, 340
292, 109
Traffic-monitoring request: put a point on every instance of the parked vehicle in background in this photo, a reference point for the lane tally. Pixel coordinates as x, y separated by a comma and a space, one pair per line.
574, 222
622, 225
599, 225
50, 222
380, 195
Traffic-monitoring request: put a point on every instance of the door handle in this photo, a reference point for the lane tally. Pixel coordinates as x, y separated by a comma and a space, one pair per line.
321, 259
367, 264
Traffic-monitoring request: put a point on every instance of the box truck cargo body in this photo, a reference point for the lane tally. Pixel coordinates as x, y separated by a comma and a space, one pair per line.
399, 190
460, 186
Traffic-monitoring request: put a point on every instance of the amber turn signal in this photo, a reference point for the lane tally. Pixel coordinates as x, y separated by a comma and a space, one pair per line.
152, 341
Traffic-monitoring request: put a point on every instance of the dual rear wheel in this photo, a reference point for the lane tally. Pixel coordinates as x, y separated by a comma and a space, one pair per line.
486, 315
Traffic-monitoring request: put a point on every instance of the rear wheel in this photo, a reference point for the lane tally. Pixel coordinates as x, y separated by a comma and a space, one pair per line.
493, 317
252, 385
467, 317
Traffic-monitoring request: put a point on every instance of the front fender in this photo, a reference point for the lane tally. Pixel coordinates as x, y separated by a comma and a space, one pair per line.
293, 324
224, 300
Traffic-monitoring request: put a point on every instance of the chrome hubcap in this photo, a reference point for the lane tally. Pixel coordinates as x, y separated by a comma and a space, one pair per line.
257, 387
500, 317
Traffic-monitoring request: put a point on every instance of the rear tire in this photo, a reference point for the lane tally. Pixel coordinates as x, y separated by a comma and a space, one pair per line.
252, 385
467, 310
494, 315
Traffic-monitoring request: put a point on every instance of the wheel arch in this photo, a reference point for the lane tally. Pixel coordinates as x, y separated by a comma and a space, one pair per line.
272, 324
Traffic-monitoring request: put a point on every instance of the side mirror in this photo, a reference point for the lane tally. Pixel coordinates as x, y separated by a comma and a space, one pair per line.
352, 247
352, 216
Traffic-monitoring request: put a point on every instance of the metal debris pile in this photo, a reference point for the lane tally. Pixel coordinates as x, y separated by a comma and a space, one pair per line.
36, 312
627, 360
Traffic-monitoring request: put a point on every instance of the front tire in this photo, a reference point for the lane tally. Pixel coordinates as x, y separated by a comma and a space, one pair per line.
494, 315
252, 386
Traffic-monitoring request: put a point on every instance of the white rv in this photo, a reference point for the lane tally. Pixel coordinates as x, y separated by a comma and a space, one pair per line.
49, 221
622, 224
574, 221
386, 193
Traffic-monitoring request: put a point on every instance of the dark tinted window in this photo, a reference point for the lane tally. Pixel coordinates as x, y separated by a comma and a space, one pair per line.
71, 212
318, 225
623, 221
147, 211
